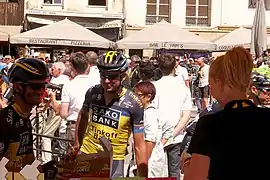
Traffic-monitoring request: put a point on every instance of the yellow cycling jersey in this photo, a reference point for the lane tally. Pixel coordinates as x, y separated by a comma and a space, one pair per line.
114, 121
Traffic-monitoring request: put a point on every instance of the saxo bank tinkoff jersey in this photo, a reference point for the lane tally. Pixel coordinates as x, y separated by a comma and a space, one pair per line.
115, 121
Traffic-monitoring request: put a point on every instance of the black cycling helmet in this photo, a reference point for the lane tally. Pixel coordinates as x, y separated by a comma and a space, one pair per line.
26, 69
260, 81
112, 61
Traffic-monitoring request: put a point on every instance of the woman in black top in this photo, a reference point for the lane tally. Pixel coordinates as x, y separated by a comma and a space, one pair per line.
226, 144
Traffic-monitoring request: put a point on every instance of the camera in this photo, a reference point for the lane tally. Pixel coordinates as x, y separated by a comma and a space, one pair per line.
57, 88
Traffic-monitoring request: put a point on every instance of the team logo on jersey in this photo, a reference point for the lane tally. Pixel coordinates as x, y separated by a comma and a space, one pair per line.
10, 116
21, 122
106, 116
99, 97
136, 98
24, 143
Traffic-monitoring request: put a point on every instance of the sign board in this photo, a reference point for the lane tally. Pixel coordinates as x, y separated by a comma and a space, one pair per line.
228, 47
142, 178
59, 42
166, 45
93, 24
88, 166
114, 15
28, 172
80, 167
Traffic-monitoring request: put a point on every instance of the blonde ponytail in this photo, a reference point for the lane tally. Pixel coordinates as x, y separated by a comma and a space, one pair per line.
234, 68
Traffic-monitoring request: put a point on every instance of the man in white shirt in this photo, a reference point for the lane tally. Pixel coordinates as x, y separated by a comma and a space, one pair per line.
173, 102
54, 120
73, 93
181, 72
8, 62
92, 69
57, 71
203, 74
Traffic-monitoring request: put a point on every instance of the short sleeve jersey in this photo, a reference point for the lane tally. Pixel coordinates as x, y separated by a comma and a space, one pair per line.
16, 139
115, 121
230, 138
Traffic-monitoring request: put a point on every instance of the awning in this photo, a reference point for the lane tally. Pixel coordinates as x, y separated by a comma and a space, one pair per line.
94, 23
7, 31
164, 35
238, 37
62, 33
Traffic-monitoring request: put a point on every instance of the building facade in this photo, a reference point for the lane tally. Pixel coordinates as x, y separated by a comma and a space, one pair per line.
11, 20
208, 18
105, 17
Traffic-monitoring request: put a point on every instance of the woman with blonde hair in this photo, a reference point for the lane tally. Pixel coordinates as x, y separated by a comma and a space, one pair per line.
223, 143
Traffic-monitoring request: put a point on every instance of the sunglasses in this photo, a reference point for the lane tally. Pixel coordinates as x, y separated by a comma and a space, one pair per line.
36, 86
110, 76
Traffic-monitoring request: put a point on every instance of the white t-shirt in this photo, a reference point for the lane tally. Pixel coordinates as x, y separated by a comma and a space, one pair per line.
62, 79
94, 75
181, 74
172, 98
204, 77
74, 94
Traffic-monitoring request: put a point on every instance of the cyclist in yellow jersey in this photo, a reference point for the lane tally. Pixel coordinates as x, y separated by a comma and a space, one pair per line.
29, 78
113, 111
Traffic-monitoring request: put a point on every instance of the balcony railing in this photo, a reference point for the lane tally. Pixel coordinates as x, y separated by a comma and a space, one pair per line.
155, 19
197, 21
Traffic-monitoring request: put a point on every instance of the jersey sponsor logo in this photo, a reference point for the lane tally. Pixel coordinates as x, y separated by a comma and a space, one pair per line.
98, 133
106, 116
121, 100
99, 96
24, 144
209, 108
10, 116
128, 104
136, 98
21, 123
17, 124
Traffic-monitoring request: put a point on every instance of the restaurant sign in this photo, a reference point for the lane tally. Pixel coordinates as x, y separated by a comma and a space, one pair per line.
228, 47
166, 45
60, 42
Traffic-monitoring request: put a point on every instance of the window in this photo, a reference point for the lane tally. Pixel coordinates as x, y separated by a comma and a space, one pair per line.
52, 1
157, 10
8, 1
252, 4
198, 12
97, 2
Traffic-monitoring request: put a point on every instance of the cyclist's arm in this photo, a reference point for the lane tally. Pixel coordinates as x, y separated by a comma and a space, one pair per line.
139, 143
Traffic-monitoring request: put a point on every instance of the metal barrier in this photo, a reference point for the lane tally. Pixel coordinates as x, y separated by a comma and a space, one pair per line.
38, 143
40, 117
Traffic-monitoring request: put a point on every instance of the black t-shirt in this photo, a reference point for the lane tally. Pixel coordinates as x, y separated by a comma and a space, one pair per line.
16, 139
236, 140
